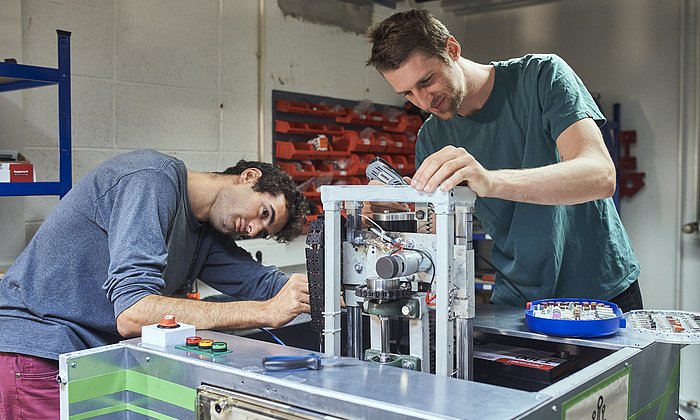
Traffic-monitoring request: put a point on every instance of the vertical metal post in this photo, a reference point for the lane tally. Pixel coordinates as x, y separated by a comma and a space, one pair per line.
353, 321
465, 349
444, 326
331, 314
64, 126
385, 332
354, 333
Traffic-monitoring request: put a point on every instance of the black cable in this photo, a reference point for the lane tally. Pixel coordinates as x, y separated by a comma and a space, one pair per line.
505, 278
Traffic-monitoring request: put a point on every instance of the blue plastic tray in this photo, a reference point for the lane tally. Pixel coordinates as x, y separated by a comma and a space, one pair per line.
574, 328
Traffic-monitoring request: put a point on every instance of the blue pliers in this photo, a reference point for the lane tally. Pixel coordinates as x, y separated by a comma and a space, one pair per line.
279, 363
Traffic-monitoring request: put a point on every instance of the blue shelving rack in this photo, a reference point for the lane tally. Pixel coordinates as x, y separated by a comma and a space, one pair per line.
21, 76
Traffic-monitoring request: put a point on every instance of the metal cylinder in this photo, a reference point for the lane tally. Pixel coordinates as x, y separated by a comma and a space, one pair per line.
385, 332
354, 332
401, 264
463, 226
465, 350
382, 284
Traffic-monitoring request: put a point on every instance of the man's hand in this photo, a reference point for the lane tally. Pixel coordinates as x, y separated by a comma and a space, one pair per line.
449, 167
289, 302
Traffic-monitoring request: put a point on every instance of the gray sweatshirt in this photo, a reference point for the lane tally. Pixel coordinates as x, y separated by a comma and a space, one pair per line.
125, 231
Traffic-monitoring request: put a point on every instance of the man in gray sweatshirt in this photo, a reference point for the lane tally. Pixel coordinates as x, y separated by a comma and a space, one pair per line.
123, 248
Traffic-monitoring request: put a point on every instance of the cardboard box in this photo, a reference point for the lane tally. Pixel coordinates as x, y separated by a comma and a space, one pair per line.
17, 170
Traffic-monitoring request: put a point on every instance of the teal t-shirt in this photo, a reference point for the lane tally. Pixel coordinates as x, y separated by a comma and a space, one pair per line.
547, 251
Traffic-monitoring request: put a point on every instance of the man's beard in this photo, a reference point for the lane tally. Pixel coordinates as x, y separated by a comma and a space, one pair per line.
455, 100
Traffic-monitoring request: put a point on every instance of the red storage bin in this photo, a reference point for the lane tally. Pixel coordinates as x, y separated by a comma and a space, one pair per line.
293, 150
351, 142
351, 117
290, 127
377, 144
404, 123
299, 171
375, 118
401, 164
296, 107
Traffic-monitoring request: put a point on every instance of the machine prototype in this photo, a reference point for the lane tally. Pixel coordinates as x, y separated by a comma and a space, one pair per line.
415, 266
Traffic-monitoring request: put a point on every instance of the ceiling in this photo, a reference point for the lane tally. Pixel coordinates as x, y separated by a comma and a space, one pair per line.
458, 7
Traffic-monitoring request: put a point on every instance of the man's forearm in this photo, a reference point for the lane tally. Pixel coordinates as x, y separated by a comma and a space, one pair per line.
570, 182
202, 314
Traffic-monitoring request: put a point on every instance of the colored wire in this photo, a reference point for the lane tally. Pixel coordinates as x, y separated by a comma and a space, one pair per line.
273, 336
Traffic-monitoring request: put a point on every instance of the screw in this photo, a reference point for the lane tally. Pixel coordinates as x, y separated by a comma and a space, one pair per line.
148, 359
627, 364
358, 268
554, 408
73, 364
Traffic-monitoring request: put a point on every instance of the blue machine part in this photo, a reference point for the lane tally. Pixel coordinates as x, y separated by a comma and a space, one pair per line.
574, 327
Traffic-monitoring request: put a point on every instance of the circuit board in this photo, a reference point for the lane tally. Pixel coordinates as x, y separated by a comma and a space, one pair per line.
573, 310
574, 317
666, 326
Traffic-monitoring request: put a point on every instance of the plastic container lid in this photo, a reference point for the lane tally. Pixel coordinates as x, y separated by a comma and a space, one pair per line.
609, 323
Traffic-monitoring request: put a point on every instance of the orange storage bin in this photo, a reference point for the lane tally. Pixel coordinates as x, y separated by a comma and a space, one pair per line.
351, 142
401, 164
296, 107
375, 118
392, 145
290, 127
299, 171
293, 150
377, 144
404, 123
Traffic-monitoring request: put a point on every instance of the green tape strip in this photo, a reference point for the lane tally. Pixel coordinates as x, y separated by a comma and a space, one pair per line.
96, 386
119, 408
129, 380
663, 399
160, 389
595, 388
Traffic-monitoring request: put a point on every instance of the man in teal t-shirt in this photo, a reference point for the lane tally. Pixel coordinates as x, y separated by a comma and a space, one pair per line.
523, 134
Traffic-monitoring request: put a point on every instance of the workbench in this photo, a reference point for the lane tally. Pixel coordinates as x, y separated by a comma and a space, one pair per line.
617, 372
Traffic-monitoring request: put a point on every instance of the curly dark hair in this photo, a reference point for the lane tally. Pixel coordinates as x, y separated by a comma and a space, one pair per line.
275, 181
397, 37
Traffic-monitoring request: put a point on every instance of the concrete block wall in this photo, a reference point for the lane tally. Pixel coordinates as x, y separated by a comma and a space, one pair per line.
177, 76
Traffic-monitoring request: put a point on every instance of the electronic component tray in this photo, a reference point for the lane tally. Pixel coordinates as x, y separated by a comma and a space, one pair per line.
574, 327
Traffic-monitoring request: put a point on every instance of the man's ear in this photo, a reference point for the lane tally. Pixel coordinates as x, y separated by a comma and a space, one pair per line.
454, 50
250, 175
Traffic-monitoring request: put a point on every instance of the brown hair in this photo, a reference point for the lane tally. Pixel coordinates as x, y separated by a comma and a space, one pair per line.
396, 38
